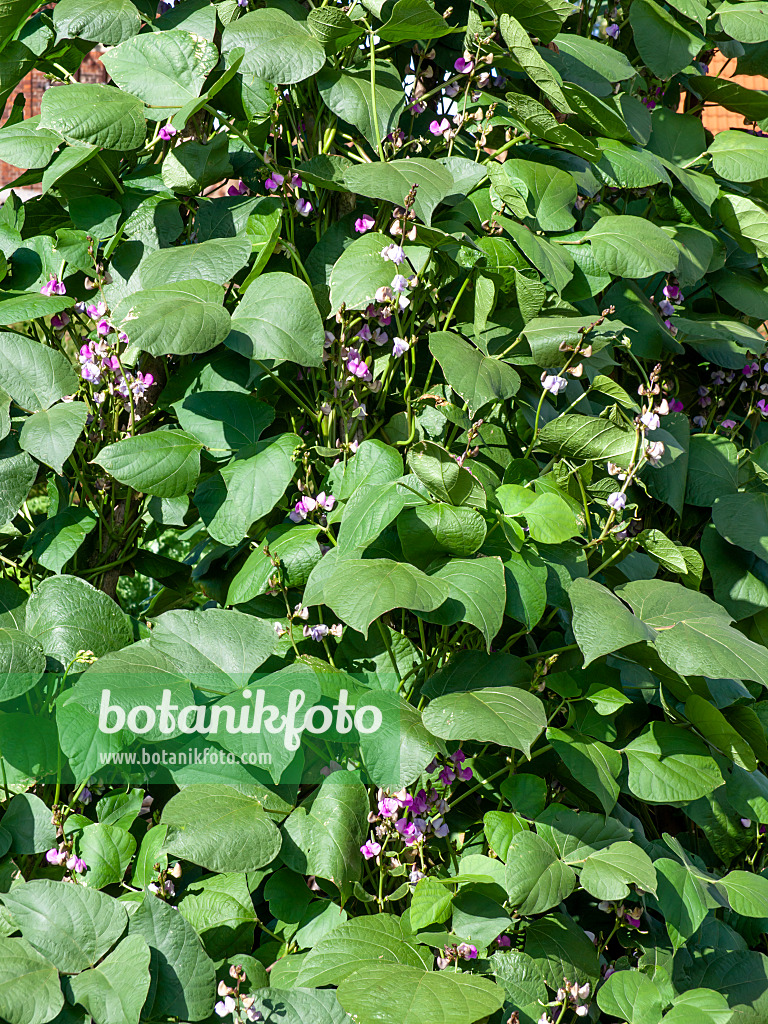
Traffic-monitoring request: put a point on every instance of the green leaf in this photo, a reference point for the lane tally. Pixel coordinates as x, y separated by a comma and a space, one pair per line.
632, 996
715, 728
747, 893
216, 260
736, 155
360, 590
165, 70
669, 765
525, 988
542, 124
219, 829
97, 115
525, 577
192, 166
45, 912
347, 93
393, 181
746, 220
26, 145
107, 850
179, 319
34, 375
277, 319
560, 949
108, 22
712, 470
29, 984
536, 878
29, 823
431, 904
689, 1007
665, 45
361, 270
247, 488
601, 622
358, 944
744, 22
390, 994
739, 578
439, 471
277, 47
607, 874
333, 28
50, 434
505, 715
683, 897
593, 764
475, 594
297, 1005
183, 979
22, 663
651, 252
428, 531
220, 909
17, 475
529, 59
165, 463
584, 437
224, 421
115, 991
324, 834
68, 615
478, 379
296, 547
414, 19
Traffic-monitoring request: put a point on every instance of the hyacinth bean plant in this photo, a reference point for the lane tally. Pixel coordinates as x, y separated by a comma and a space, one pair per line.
411, 354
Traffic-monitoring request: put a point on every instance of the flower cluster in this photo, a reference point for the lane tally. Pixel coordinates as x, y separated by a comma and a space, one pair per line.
570, 994
633, 916
289, 187
233, 1002
452, 955
60, 855
307, 504
53, 287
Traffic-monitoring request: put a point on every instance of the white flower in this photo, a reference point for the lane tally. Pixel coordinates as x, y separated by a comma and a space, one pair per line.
550, 382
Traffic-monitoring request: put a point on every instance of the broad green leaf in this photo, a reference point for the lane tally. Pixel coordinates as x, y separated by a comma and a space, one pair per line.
430, 904
247, 488
683, 897
49, 435
220, 909
360, 590
165, 70
393, 181
747, 893
97, 115
391, 994
22, 663
698, 1005
712, 470
601, 622
360, 271
441, 473
17, 475
205, 643
736, 155
277, 47
506, 715
34, 375
108, 22
428, 531
607, 874
651, 252
27, 145
224, 421
560, 949
107, 850
217, 260
664, 44
277, 320
348, 94
397, 753
183, 978
71, 925
747, 221
476, 595
584, 437
529, 59
542, 124
536, 878
358, 944
29, 823
575, 835
414, 19
297, 1005
219, 829
632, 996
525, 578
68, 615
373, 463
742, 519
669, 765
478, 379
18, 306
179, 319
30, 992
744, 22
523, 984
114, 992
296, 547
593, 764
323, 835
333, 28
192, 166
165, 463
715, 728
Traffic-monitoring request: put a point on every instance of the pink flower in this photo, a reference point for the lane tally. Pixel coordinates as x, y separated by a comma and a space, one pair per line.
53, 287
296, 181
240, 189
388, 807
762, 405
357, 366
77, 864
325, 501
440, 128
554, 384
56, 857
303, 207
634, 921
364, 223
167, 132
728, 424
370, 849
274, 181
97, 310
504, 942
302, 508
650, 420
416, 107
463, 66
103, 327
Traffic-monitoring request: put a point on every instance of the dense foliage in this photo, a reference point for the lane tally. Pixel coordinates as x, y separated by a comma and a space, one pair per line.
453, 407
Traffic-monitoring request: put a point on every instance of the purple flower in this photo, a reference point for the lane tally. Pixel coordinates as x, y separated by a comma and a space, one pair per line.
379, 337
77, 864
504, 942
140, 384
728, 424
167, 132
241, 189
96, 310
440, 128
700, 422
274, 181
762, 405
447, 776
59, 320
666, 307
466, 951
399, 283
400, 347
554, 384
654, 452
394, 253
316, 633
676, 405
302, 508
56, 857
617, 500
453, 89
419, 804
670, 327
416, 107
411, 831
463, 66
53, 287
364, 223
296, 181
103, 327
634, 920
225, 1006
704, 68
370, 849
357, 366
750, 368
673, 293
388, 807
613, 31
242, 3
325, 501
465, 774
458, 756
303, 207
439, 827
